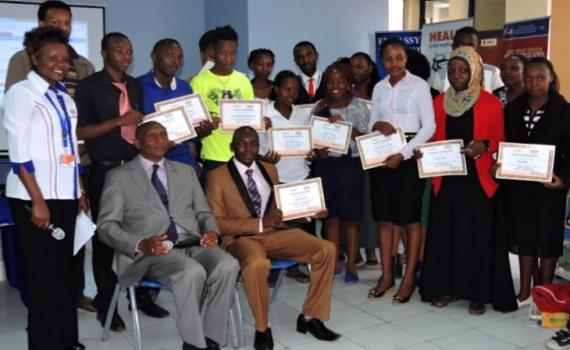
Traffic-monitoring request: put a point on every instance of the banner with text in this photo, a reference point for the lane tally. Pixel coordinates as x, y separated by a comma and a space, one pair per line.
436, 46
528, 38
412, 39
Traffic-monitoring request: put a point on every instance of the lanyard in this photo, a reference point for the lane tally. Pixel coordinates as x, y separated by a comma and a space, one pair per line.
65, 123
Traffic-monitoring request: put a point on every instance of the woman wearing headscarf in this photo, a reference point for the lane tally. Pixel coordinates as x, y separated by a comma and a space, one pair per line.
464, 258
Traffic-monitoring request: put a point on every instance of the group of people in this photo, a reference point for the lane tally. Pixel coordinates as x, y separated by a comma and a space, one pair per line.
198, 215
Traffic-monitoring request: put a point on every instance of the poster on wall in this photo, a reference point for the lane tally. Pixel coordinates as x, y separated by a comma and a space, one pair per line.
436, 45
528, 38
412, 39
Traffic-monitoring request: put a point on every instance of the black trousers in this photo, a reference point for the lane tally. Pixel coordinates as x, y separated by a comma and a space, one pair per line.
49, 275
102, 258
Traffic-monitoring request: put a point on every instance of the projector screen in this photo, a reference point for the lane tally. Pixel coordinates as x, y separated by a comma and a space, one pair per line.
16, 18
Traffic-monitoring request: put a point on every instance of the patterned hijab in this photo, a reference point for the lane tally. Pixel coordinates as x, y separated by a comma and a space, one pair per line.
455, 103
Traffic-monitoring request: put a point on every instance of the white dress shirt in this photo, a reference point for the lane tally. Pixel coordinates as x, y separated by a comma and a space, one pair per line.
289, 169
491, 79
35, 139
316, 80
406, 105
148, 166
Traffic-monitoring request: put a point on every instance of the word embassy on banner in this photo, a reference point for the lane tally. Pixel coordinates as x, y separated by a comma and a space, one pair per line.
436, 42
411, 38
528, 38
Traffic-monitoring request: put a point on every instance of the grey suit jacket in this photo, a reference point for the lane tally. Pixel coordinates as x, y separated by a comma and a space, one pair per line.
131, 210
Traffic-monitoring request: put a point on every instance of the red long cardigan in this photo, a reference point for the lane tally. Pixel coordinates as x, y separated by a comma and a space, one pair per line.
488, 124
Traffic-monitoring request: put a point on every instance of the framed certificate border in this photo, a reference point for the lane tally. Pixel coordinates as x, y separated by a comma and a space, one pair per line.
278, 188
291, 154
344, 148
506, 176
159, 105
366, 164
424, 174
226, 128
158, 115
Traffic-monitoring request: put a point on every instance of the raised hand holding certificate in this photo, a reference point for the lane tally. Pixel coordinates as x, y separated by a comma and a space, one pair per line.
443, 158
335, 136
293, 142
374, 148
193, 105
176, 123
300, 198
525, 162
236, 113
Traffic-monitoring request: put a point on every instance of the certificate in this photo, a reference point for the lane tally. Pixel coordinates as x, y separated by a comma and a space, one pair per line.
176, 123
236, 113
293, 142
525, 162
300, 199
335, 136
443, 158
193, 105
374, 148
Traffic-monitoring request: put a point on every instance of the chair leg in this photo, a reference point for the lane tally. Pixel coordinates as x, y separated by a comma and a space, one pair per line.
277, 285
233, 329
110, 312
135, 316
236, 322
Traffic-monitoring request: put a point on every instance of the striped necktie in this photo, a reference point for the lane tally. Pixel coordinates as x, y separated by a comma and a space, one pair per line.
253, 192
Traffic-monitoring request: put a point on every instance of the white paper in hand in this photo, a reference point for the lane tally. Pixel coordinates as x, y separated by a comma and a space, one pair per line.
84, 230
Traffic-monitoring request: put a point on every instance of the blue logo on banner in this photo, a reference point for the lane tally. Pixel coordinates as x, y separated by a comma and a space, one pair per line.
525, 29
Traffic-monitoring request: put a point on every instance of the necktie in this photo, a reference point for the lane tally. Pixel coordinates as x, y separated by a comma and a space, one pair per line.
253, 192
159, 187
127, 131
311, 87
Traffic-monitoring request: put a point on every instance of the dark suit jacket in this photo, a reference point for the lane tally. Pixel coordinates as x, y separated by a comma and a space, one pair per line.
230, 202
552, 129
304, 98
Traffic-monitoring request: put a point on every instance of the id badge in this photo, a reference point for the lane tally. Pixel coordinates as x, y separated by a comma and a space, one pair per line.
67, 160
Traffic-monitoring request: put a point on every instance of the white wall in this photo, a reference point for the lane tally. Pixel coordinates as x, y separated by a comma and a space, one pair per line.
336, 27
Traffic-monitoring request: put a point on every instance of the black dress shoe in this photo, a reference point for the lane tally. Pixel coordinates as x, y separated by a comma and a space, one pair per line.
117, 324
187, 346
151, 309
316, 327
263, 340
76, 346
211, 344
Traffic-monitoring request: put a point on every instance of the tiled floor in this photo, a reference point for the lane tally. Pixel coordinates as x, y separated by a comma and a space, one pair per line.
363, 324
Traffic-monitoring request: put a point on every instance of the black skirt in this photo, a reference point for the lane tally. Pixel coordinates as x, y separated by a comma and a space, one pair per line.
534, 219
343, 186
396, 194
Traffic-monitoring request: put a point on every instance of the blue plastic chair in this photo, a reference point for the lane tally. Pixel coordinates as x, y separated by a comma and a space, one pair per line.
282, 266
235, 315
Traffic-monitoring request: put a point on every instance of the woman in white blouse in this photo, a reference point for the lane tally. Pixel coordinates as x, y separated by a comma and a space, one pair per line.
44, 189
400, 101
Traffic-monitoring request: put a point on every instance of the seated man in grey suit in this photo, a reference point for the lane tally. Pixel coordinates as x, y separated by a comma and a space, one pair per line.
150, 201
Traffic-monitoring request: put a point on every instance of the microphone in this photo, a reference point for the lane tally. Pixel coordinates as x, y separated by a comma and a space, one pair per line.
56, 232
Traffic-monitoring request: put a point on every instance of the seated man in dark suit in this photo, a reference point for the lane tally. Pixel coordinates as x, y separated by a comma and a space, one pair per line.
150, 201
240, 194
